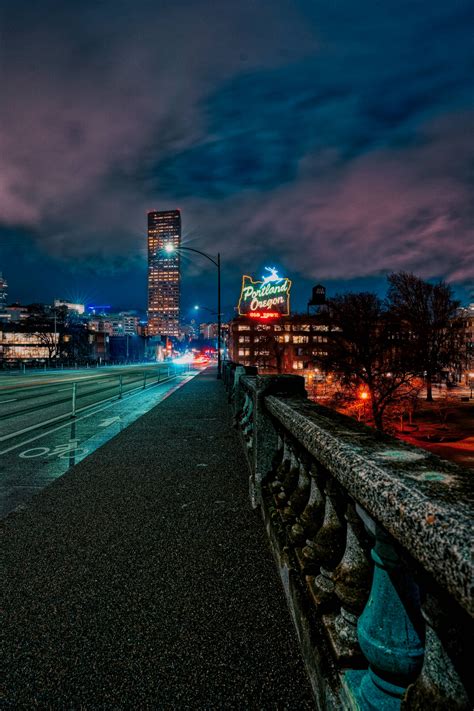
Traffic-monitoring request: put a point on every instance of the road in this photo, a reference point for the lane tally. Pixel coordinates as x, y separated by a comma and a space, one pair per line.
51, 420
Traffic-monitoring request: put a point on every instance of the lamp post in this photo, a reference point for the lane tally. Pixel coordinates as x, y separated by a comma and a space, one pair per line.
170, 248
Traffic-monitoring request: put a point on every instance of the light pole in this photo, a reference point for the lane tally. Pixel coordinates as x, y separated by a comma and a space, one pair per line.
170, 248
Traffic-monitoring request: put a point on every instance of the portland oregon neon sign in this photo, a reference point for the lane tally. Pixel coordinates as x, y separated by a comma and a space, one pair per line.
267, 298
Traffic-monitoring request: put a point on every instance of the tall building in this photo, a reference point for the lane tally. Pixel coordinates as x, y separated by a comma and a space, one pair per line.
164, 276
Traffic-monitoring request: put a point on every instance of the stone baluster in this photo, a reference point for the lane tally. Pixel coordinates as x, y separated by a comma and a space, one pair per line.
439, 686
390, 630
247, 423
278, 455
299, 498
237, 393
352, 578
312, 516
322, 553
280, 467
328, 545
290, 478
244, 413
265, 435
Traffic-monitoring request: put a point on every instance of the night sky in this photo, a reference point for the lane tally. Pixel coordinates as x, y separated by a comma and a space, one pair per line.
333, 140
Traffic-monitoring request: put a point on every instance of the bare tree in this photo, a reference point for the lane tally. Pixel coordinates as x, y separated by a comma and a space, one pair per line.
50, 339
367, 351
274, 358
428, 312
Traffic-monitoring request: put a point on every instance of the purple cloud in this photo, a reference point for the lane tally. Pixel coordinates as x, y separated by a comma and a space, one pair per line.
337, 139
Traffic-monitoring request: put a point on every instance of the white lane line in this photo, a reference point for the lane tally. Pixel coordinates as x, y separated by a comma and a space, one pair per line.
55, 429
55, 380
109, 421
2, 402
68, 414
90, 414
79, 409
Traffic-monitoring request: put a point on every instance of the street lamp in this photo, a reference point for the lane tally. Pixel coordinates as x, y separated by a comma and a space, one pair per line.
364, 396
169, 248
211, 311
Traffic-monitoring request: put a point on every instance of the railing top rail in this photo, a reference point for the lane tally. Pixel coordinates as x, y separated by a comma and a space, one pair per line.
424, 502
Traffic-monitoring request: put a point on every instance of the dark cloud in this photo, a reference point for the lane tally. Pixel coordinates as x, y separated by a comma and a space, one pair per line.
335, 136
257, 128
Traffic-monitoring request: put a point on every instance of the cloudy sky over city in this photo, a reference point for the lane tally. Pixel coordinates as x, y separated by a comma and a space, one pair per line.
332, 139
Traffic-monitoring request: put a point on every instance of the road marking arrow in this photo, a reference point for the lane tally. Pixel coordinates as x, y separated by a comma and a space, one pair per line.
109, 421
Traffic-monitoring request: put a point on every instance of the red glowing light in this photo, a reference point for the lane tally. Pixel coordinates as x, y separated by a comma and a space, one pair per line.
263, 316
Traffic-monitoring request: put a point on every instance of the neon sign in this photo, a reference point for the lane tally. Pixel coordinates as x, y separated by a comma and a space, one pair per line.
265, 299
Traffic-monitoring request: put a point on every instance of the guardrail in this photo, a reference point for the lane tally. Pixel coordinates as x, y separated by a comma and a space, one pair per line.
110, 386
374, 545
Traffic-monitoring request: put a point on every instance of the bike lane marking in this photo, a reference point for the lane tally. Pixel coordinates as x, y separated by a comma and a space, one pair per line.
60, 450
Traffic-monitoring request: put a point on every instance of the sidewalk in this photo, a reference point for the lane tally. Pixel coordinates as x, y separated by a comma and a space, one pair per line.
142, 579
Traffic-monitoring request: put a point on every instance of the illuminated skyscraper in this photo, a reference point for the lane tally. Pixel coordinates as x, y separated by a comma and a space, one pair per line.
164, 277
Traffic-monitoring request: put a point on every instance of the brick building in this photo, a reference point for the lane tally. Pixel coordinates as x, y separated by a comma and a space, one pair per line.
290, 344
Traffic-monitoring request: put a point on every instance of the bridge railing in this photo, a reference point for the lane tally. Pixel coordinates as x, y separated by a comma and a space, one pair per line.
373, 541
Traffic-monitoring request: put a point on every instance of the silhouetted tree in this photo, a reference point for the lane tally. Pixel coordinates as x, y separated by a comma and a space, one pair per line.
428, 312
366, 351
276, 352
59, 331
48, 323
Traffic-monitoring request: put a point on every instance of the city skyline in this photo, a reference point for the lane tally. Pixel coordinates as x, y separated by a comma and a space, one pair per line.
335, 144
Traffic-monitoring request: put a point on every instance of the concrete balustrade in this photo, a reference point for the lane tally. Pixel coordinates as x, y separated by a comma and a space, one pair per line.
373, 542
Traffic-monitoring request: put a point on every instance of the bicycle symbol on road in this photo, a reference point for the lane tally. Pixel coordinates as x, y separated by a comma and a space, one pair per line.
61, 451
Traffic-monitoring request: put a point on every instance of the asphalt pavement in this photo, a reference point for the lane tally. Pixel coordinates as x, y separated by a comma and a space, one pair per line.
142, 579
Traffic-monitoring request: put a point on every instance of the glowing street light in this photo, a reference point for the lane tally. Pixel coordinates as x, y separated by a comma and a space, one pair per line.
170, 248
211, 311
364, 396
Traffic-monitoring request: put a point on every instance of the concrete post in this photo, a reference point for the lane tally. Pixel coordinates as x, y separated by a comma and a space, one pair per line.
237, 392
265, 442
